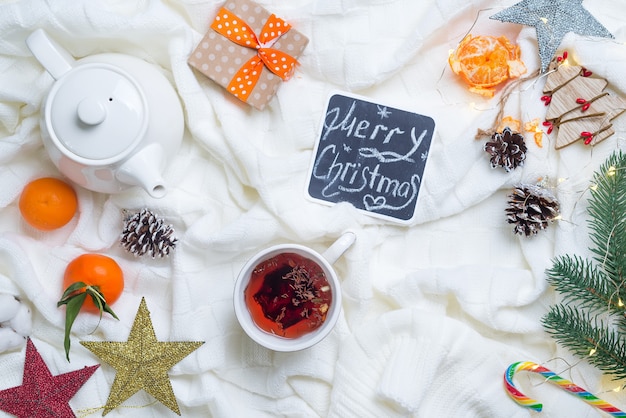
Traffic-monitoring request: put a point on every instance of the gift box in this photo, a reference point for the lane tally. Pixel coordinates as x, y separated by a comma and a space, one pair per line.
248, 51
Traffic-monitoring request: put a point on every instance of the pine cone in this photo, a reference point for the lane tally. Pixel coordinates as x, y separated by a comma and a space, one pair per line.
507, 150
145, 233
530, 208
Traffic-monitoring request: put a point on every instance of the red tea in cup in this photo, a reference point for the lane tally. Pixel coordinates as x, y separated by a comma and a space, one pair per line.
288, 295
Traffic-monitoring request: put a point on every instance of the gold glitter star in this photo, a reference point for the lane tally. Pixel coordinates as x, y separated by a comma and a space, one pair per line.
142, 362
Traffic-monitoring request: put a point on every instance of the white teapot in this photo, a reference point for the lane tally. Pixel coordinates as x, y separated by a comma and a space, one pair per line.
110, 120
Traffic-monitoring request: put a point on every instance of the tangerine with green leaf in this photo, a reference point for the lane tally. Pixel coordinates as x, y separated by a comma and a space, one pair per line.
92, 282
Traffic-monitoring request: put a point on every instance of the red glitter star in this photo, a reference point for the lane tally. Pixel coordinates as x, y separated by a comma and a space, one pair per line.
41, 394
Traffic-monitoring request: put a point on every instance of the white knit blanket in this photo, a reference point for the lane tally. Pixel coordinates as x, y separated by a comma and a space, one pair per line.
433, 312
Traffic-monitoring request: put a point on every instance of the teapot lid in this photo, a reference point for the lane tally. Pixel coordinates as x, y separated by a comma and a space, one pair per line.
96, 112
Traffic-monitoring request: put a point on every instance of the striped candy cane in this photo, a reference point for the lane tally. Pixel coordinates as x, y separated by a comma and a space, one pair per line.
565, 384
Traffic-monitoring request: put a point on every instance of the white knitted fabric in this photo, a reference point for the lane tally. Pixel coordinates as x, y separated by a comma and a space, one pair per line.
433, 312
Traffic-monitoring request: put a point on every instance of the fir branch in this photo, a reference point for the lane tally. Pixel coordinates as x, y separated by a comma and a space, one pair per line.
596, 288
582, 282
607, 209
588, 338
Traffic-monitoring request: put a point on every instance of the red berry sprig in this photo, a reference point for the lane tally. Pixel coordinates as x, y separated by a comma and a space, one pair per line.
583, 102
549, 125
588, 136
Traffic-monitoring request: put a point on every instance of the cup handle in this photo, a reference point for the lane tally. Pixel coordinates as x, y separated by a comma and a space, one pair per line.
339, 247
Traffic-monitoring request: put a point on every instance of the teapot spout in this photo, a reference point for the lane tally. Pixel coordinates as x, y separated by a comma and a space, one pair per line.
143, 170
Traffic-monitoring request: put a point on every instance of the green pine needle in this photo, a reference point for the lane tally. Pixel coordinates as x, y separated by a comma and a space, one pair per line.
592, 318
581, 281
588, 337
607, 209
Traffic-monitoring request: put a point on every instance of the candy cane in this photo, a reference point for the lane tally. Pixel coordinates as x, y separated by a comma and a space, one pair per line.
524, 400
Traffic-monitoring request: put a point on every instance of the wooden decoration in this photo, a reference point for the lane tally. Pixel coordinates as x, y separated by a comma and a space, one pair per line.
579, 106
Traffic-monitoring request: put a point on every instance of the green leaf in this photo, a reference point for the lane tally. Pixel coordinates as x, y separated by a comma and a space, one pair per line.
96, 297
74, 303
74, 298
100, 301
70, 291
108, 310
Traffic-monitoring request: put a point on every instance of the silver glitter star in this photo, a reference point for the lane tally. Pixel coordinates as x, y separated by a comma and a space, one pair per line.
553, 19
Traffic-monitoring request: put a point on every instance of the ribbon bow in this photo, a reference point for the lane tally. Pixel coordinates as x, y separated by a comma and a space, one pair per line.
280, 63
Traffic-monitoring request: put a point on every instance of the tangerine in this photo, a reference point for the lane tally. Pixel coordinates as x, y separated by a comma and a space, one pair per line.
48, 203
96, 271
484, 62
91, 282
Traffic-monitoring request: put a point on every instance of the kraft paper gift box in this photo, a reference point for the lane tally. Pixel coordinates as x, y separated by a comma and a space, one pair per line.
248, 51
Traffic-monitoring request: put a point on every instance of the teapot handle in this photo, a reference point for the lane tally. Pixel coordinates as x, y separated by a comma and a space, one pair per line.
55, 59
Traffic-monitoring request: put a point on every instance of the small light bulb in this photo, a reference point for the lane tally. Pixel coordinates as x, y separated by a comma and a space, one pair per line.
544, 20
592, 352
620, 303
611, 171
594, 187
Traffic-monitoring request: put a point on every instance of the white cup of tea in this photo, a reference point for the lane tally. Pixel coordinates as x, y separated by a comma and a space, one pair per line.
288, 296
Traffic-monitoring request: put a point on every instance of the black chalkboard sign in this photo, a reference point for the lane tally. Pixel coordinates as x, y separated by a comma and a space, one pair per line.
372, 156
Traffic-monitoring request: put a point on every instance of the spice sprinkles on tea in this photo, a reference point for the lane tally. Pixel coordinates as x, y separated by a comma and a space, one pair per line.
288, 295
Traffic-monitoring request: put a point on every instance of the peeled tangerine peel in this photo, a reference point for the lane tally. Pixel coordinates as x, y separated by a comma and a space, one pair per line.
484, 62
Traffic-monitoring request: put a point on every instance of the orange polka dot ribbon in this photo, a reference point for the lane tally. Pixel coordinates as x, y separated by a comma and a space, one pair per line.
280, 63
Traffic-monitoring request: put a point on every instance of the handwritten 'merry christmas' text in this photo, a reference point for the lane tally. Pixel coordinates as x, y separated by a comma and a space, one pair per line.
371, 156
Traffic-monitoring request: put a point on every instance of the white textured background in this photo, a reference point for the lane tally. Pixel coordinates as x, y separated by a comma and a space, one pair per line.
433, 312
